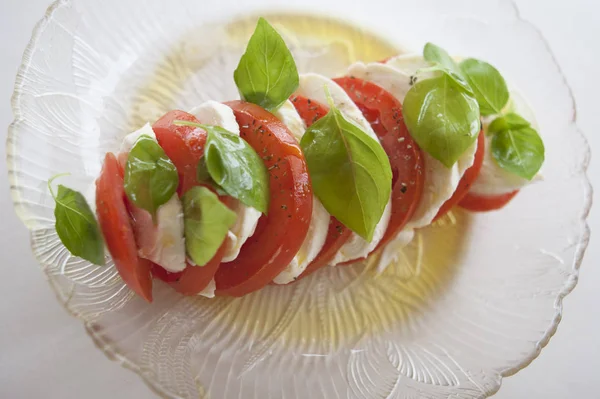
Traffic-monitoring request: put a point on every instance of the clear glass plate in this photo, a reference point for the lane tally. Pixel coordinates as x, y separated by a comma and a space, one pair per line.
473, 298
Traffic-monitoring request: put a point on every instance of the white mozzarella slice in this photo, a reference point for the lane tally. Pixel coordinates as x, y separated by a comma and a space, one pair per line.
217, 114
319, 221
312, 86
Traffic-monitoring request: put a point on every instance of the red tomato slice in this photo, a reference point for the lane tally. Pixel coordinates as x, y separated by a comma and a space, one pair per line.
464, 185
384, 113
310, 111
117, 230
279, 234
193, 279
184, 145
483, 203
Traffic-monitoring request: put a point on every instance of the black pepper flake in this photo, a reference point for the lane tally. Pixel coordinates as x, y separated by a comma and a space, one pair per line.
308, 100
403, 188
295, 99
284, 207
413, 80
290, 216
314, 119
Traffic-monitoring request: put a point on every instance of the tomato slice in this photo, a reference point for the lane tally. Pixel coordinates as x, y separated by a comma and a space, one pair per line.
117, 230
280, 233
184, 145
193, 279
337, 234
384, 113
483, 203
464, 185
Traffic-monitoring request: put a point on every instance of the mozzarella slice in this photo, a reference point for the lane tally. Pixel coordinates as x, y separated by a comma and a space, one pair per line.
163, 243
492, 179
217, 114
313, 86
440, 181
319, 221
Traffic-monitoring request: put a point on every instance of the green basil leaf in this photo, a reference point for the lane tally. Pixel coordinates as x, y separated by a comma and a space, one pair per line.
350, 172
487, 84
267, 73
441, 61
442, 118
233, 166
507, 122
519, 151
206, 221
76, 225
202, 174
150, 177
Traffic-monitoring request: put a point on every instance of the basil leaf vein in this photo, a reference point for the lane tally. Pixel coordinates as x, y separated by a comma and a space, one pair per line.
76, 225
350, 172
206, 222
150, 179
266, 74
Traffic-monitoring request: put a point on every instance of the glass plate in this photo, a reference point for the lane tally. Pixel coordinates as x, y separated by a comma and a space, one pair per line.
472, 299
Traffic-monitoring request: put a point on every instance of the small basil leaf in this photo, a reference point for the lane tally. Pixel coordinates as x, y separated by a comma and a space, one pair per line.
487, 84
150, 177
507, 122
206, 221
76, 225
267, 74
234, 166
350, 172
519, 151
442, 118
441, 61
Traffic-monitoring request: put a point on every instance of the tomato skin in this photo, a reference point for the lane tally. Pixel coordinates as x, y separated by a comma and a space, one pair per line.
464, 185
281, 232
337, 234
117, 230
483, 203
384, 113
184, 145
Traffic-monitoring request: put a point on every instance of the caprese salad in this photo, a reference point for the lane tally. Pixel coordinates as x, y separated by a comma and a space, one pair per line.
304, 171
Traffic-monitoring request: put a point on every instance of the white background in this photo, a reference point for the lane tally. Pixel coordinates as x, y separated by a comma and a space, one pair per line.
46, 353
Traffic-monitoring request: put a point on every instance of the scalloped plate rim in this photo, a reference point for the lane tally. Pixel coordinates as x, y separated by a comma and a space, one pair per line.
121, 359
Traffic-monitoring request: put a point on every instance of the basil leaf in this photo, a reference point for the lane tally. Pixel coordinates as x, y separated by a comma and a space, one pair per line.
507, 122
76, 225
519, 151
487, 84
206, 222
442, 62
441, 118
150, 177
267, 73
233, 166
350, 172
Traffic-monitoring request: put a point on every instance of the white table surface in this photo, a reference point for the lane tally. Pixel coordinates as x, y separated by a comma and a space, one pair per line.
46, 353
